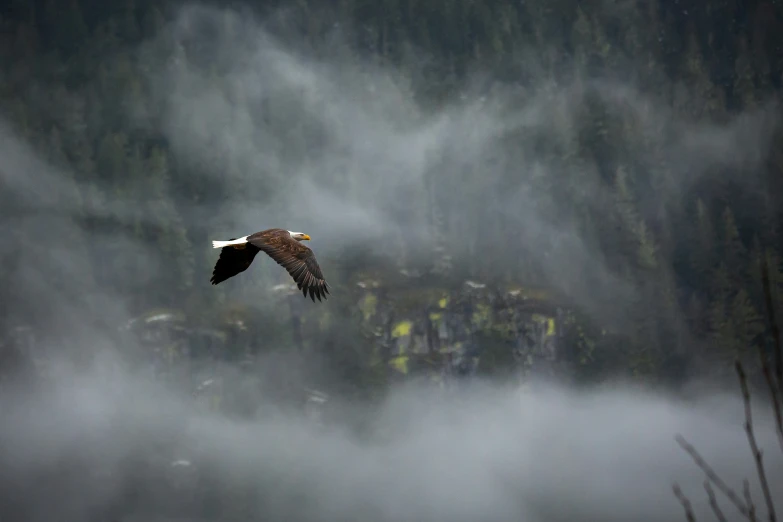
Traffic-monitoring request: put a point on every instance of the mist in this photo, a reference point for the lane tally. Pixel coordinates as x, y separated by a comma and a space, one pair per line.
327, 141
227, 93
487, 452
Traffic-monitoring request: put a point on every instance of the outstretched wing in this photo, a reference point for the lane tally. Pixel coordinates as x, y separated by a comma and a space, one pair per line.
299, 261
233, 261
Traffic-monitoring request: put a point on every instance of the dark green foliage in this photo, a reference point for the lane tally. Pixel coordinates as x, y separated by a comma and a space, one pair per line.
76, 84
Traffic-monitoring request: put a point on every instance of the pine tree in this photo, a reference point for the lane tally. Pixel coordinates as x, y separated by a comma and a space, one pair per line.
111, 157
747, 322
68, 195
648, 316
719, 323
647, 252
129, 24
77, 139
697, 316
701, 97
626, 247
701, 248
744, 87
54, 149
152, 22
753, 270
734, 322
732, 249
170, 232
581, 34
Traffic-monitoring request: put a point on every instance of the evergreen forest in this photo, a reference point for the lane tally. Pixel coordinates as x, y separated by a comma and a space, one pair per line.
586, 191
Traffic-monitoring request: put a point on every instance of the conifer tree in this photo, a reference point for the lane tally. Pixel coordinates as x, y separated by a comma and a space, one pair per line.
74, 83
732, 249
170, 232
744, 87
702, 98
701, 248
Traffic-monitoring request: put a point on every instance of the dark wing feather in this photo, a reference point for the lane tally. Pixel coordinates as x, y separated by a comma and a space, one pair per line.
233, 261
299, 261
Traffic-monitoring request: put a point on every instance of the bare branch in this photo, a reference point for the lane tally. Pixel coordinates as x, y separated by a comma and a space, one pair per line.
686, 504
712, 476
774, 383
757, 455
714, 502
777, 407
749, 500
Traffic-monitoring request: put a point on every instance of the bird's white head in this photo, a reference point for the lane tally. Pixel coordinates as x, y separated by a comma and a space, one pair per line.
299, 236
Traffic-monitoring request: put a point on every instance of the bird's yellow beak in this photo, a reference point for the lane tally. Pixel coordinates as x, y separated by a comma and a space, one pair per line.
305, 237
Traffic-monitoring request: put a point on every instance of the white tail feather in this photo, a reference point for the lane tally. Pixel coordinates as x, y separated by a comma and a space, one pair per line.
221, 244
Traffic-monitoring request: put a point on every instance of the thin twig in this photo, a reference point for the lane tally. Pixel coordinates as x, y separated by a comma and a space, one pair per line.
777, 400
749, 500
757, 455
712, 476
774, 384
714, 502
686, 504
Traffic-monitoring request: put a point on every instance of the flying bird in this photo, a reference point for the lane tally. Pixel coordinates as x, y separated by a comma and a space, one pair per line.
284, 247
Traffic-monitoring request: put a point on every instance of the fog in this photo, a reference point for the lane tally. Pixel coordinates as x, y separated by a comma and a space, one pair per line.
483, 451
329, 142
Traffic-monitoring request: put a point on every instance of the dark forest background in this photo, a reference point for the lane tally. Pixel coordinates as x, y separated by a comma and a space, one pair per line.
622, 158
673, 185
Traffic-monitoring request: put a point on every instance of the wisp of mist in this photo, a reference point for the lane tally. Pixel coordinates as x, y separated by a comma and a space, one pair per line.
483, 451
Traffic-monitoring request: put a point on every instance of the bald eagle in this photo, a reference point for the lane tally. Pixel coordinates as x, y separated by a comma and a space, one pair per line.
281, 245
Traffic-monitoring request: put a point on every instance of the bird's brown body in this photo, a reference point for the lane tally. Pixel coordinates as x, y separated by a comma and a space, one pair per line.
284, 247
